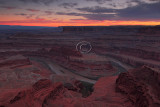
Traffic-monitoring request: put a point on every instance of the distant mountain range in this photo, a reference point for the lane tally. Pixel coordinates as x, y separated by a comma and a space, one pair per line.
5, 27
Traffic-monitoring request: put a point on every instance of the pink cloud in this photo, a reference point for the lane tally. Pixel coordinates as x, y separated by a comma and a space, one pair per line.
38, 20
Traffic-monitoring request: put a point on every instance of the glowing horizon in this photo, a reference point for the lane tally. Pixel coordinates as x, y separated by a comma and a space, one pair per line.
79, 23
54, 13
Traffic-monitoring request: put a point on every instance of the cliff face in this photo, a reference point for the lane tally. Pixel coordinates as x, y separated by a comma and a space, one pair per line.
136, 88
46, 94
141, 86
108, 29
150, 30
42, 94
150, 55
120, 29
14, 61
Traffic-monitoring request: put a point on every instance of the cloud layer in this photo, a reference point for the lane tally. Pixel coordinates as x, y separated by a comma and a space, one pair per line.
143, 11
80, 10
46, 2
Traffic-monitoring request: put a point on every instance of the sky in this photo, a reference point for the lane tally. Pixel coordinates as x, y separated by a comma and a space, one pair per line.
79, 12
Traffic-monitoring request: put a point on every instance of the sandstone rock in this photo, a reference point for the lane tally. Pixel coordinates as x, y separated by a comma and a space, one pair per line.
141, 86
41, 94
14, 61
136, 88
45, 94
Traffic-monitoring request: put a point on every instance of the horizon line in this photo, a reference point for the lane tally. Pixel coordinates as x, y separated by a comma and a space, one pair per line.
78, 26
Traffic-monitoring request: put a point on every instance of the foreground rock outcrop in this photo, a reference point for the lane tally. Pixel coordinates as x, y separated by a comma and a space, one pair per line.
136, 88
44, 93
40, 95
141, 86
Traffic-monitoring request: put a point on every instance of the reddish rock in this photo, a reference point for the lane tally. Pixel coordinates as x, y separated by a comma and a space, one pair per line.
36, 96
14, 61
64, 51
140, 53
43, 83
45, 94
41, 93
136, 88
141, 86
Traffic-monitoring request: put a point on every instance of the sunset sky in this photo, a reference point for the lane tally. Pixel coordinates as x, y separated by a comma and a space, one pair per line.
79, 12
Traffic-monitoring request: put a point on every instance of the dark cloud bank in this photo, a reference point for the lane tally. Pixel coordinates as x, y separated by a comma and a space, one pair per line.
140, 12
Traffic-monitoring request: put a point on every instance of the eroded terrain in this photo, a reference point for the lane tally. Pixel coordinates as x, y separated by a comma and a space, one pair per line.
51, 57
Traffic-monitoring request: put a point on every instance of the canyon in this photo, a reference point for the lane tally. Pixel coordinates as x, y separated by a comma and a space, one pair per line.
42, 68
